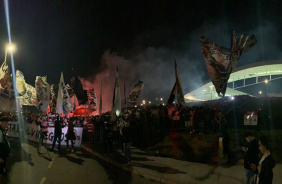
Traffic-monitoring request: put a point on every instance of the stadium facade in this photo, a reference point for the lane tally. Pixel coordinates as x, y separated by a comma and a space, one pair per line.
240, 79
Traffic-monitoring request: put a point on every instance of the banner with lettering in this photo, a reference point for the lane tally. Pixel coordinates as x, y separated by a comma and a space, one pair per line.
33, 133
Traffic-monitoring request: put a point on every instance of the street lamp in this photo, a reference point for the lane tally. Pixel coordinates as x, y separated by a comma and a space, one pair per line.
260, 92
9, 48
144, 102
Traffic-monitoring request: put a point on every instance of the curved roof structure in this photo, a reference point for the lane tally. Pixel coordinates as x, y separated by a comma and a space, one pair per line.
254, 70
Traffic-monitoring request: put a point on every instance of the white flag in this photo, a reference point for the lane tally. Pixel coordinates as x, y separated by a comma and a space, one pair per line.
43, 93
20, 82
26, 91
63, 98
4, 75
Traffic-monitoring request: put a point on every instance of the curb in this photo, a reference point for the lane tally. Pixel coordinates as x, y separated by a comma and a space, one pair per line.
128, 168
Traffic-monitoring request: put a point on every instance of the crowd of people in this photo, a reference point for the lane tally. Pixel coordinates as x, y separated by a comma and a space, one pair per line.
137, 123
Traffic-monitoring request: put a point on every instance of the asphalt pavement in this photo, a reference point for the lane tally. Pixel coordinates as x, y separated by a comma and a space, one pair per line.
89, 164
26, 166
172, 171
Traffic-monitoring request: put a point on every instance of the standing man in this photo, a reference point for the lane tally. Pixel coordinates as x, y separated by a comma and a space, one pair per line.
4, 145
43, 134
58, 133
127, 141
251, 157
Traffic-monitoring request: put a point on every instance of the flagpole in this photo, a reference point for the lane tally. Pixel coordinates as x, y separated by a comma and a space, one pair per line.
100, 107
124, 96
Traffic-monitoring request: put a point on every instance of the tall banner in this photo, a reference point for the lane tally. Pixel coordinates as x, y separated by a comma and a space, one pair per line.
63, 98
92, 99
20, 83
172, 94
134, 92
116, 99
180, 96
43, 93
29, 98
81, 94
53, 102
7, 94
26, 91
32, 132
4, 76
220, 61
100, 102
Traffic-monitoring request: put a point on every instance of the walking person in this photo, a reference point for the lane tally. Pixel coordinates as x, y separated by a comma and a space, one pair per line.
264, 169
4, 145
58, 133
250, 157
70, 136
43, 132
127, 141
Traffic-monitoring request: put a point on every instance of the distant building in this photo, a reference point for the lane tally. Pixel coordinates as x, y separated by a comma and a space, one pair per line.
256, 79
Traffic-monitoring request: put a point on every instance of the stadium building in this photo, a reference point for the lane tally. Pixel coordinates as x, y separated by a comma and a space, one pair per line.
262, 79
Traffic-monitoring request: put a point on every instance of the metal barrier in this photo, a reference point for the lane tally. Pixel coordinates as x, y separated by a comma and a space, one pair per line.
88, 135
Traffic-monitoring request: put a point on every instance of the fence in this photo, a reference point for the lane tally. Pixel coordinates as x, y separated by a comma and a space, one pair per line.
88, 135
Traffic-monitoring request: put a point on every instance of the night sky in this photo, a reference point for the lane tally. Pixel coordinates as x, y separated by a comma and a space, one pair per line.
141, 37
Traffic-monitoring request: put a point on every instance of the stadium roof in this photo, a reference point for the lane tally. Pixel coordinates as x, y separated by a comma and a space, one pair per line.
255, 70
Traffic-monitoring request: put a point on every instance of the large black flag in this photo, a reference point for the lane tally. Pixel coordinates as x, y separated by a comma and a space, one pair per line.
81, 94
172, 94
177, 89
221, 61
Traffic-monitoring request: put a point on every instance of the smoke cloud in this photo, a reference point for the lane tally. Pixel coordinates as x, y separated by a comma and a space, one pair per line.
154, 65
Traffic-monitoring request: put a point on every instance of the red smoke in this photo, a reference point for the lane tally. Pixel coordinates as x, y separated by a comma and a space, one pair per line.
107, 78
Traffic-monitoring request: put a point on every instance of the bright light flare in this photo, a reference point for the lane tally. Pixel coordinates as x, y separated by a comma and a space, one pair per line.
117, 113
11, 48
265, 81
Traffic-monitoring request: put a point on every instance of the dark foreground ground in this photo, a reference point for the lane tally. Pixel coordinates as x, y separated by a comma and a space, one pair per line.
25, 166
